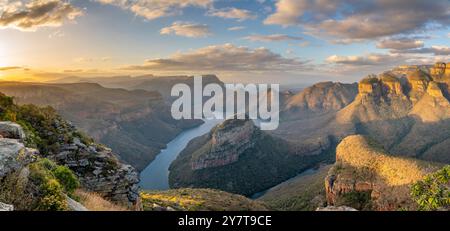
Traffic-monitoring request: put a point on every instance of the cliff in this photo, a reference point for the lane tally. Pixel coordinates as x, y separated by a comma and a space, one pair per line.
125, 120
228, 142
232, 154
366, 177
43, 134
320, 98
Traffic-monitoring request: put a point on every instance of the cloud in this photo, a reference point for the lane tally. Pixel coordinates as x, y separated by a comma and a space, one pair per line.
400, 43
91, 60
187, 29
236, 28
435, 50
232, 13
32, 14
10, 68
226, 57
153, 9
369, 60
361, 19
272, 38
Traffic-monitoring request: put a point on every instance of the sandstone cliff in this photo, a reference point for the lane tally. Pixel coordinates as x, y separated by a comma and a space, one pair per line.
366, 177
237, 157
136, 124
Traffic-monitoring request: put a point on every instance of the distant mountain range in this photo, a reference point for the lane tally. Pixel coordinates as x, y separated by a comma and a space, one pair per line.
406, 112
136, 123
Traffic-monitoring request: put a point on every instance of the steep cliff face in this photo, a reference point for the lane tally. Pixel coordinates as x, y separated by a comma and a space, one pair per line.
319, 98
96, 167
125, 120
366, 177
237, 157
228, 142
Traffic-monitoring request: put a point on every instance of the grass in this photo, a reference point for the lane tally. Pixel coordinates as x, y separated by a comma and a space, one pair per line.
94, 202
198, 200
305, 193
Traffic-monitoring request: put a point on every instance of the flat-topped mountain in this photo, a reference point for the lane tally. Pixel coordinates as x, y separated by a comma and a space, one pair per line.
238, 157
319, 98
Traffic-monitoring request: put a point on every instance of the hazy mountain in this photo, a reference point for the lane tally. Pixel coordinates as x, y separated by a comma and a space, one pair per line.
136, 124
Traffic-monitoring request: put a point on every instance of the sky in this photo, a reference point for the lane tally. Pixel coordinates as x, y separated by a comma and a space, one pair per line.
285, 41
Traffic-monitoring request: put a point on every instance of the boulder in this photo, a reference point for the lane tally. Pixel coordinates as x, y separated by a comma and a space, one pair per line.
75, 206
11, 130
335, 209
6, 207
14, 155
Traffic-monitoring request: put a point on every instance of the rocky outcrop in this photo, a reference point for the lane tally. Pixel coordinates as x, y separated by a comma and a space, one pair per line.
96, 166
6, 207
440, 69
335, 209
391, 84
100, 171
370, 85
320, 98
74, 205
228, 141
13, 153
11, 130
365, 177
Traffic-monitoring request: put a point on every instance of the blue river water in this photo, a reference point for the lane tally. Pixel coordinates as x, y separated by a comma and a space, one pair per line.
156, 175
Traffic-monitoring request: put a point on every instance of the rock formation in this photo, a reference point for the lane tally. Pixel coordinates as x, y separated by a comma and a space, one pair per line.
366, 177
228, 142
6, 207
335, 209
13, 153
96, 166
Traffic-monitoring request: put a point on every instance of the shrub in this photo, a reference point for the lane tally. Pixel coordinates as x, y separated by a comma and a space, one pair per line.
433, 192
53, 182
67, 178
53, 199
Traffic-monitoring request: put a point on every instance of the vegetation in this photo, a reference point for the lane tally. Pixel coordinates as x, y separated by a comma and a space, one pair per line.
198, 200
355, 199
44, 128
53, 183
433, 192
94, 202
304, 193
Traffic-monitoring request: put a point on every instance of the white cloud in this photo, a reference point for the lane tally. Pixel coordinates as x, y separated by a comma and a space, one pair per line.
272, 38
226, 57
32, 14
236, 28
400, 43
232, 13
153, 9
368, 60
361, 19
186, 29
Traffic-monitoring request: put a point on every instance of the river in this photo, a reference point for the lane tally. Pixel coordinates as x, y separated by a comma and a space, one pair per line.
156, 175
